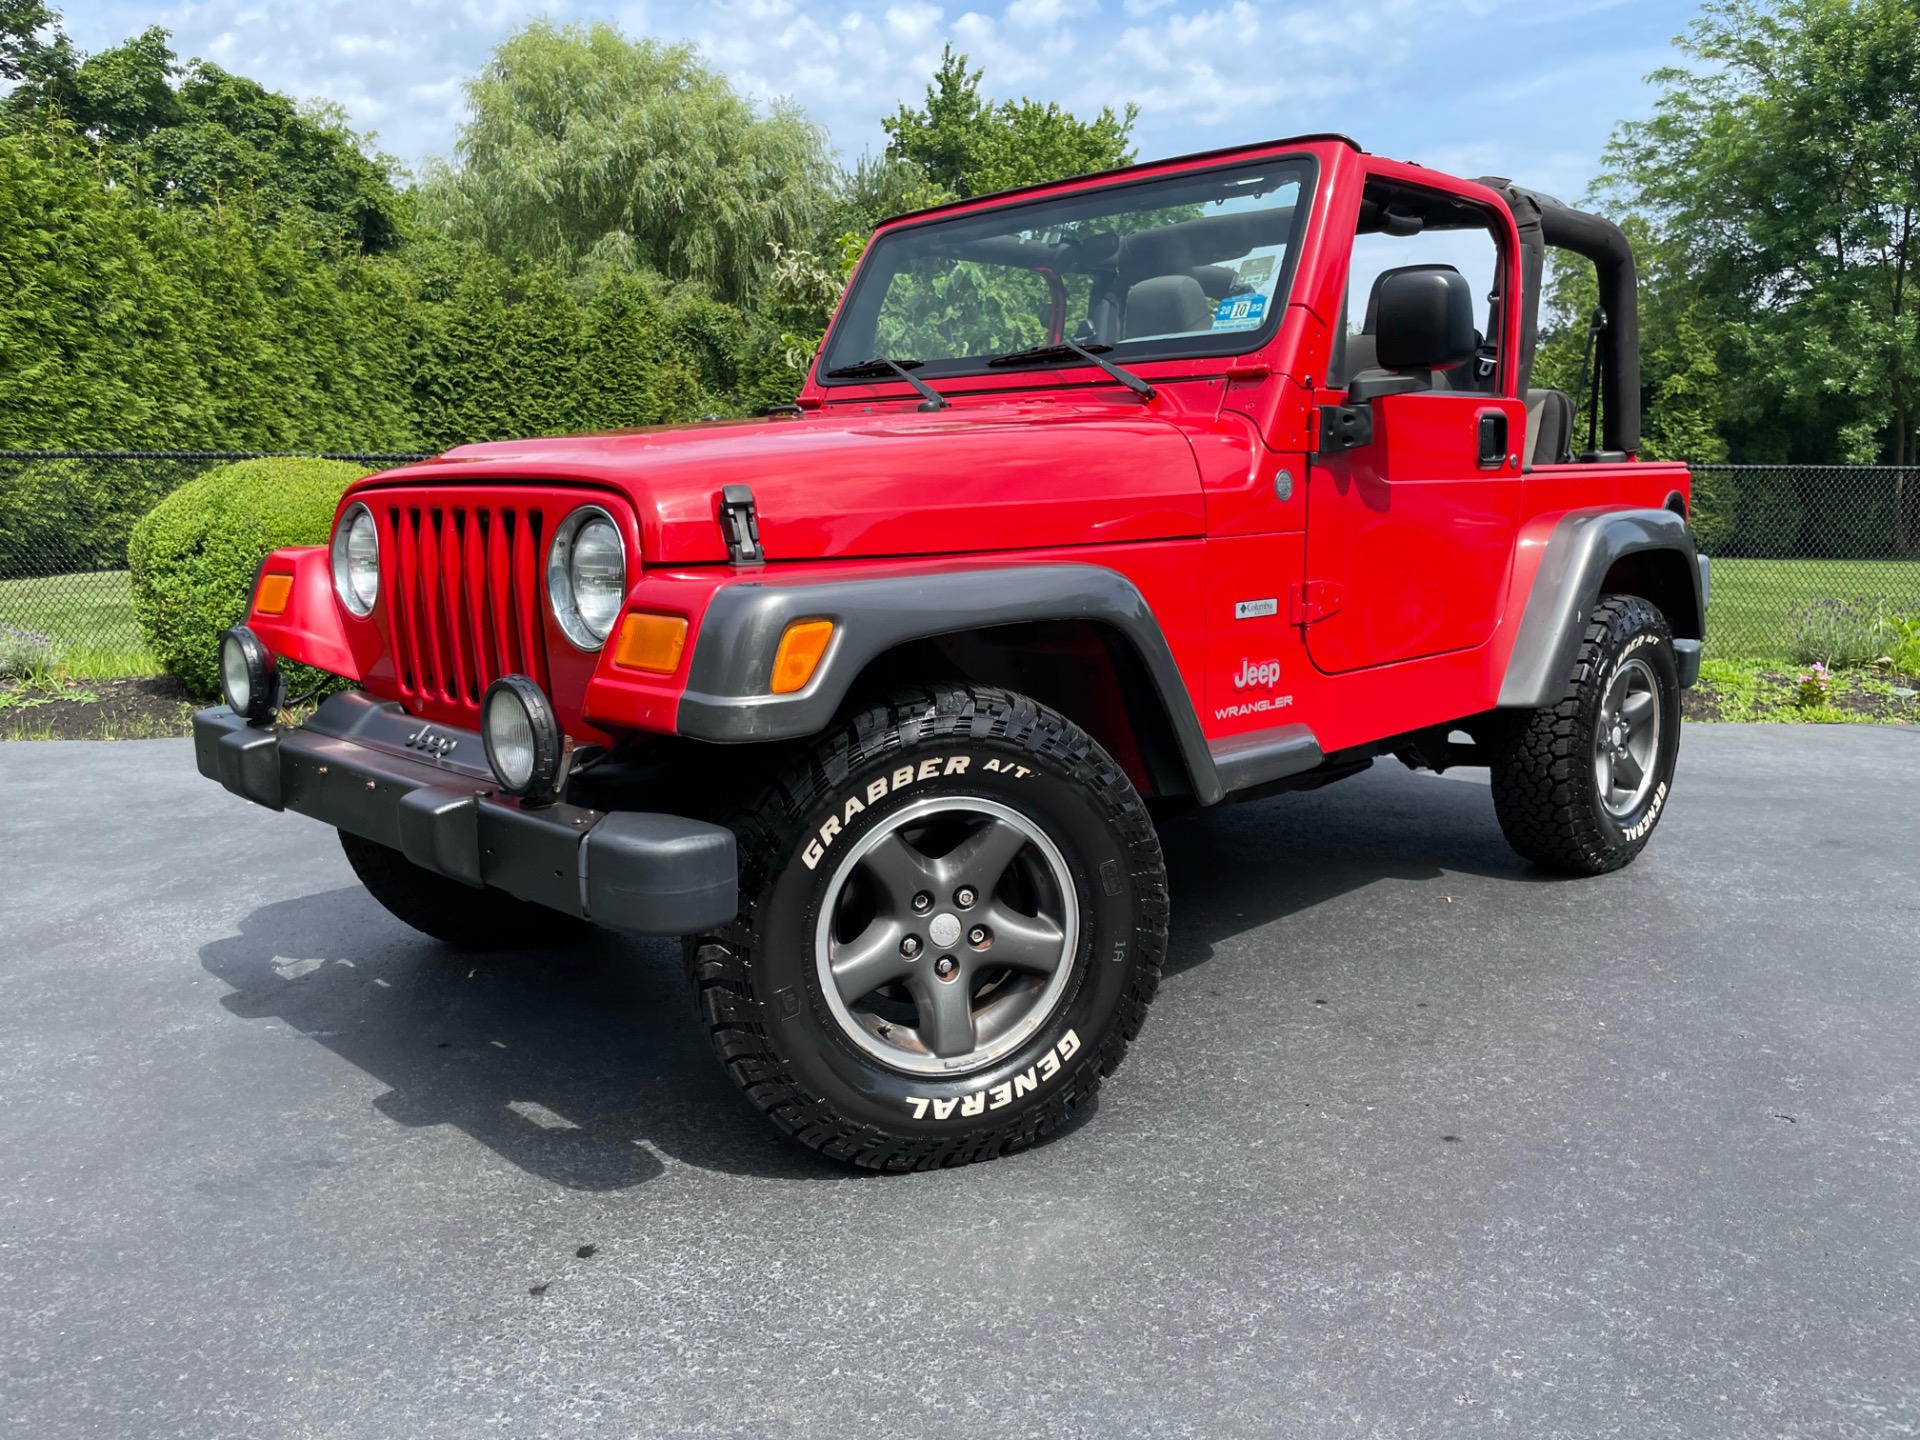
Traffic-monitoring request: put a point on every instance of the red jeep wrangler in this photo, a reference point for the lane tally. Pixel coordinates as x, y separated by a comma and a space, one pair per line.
1097, 504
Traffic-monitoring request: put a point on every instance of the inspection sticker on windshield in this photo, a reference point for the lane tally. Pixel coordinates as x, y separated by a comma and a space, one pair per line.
1240, 312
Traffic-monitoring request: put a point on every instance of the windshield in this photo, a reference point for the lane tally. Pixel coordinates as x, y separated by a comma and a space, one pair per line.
1194, 264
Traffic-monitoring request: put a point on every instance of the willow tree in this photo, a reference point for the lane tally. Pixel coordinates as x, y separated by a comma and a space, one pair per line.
582, 144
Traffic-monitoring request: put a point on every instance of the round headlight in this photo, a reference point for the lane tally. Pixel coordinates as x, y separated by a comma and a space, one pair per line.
587, 576
356, 560
522, 737
247, 676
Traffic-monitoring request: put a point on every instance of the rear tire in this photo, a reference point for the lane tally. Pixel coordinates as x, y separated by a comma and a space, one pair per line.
1581, 785
953, 918
456, 914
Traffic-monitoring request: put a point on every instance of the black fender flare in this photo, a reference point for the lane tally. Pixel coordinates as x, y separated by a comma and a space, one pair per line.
729, 698
1584, 546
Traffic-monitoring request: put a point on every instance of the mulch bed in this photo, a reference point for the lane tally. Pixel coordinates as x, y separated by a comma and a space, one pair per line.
143, 708
1854, 698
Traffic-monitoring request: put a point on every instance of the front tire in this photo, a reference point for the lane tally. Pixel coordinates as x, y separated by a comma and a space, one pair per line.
456, 914
953, 919
1581, 785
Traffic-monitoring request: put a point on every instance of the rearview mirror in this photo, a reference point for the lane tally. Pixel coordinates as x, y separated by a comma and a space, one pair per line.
1425, 321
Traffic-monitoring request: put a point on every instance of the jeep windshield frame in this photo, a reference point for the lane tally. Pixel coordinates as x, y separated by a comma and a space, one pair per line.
1181, 266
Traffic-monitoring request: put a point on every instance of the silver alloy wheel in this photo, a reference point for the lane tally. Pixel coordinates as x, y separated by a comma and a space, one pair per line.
1626, 738
942, 960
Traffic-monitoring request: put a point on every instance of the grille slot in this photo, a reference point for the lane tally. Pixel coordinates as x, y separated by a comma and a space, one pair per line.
465, 581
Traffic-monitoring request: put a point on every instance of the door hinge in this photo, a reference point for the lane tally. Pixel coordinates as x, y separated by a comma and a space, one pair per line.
1315, 600
740, 526
1344, 427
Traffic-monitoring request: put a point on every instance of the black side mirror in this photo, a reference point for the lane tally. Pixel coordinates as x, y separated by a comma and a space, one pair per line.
1426, 321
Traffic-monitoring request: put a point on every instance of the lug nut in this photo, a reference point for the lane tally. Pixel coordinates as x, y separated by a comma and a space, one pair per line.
964, 896
922, 903
910, 946
946, 967
977, 936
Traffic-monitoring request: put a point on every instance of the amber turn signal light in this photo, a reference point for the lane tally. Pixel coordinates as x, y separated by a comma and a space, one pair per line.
651, 642
274, 592
799, 654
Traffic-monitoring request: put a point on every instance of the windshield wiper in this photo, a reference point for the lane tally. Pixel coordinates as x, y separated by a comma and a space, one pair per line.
1066, 350
880, 365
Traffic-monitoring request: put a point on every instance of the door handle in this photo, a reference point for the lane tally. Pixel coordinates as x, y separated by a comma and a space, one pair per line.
1493, 439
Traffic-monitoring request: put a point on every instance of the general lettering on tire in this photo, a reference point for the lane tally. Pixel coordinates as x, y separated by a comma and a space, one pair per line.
996, 1096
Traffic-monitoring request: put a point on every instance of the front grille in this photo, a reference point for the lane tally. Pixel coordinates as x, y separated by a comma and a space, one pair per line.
466, 605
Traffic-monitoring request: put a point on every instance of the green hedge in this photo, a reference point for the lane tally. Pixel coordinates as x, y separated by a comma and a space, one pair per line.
194, 556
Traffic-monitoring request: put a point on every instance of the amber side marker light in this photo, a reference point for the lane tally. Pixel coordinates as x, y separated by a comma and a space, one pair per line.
275, 591
651, 642
799, 654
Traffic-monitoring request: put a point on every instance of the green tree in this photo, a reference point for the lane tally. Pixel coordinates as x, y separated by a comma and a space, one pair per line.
125, 94
231, 136
582, 142
968, 145
1778, 174
195, 134
24, 54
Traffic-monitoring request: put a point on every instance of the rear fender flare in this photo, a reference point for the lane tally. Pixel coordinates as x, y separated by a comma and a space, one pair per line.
1584, 547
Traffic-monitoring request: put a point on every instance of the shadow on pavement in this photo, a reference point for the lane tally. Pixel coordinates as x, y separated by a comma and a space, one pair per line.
1239, 867
584, 1065
581, 1065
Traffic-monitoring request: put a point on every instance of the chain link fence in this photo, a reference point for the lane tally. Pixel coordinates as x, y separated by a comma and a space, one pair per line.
65, 518
1809, 561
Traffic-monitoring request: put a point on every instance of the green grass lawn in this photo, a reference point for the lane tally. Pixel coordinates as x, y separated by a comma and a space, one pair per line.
1751, 598
89, 616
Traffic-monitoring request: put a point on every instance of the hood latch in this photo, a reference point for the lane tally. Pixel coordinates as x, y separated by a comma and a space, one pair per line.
740, 526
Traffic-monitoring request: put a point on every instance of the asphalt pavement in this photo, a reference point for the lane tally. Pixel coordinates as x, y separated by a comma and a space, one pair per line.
1416, 1142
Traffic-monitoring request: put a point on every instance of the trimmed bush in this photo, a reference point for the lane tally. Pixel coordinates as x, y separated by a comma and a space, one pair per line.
194, 556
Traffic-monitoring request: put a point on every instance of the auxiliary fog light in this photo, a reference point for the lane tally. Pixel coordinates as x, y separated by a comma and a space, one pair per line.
248, 679
522, 737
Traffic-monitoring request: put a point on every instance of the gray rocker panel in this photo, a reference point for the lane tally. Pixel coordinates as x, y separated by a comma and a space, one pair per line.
1583, 546
1265, 756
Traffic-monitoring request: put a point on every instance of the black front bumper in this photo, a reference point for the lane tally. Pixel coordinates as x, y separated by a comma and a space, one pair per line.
368, 767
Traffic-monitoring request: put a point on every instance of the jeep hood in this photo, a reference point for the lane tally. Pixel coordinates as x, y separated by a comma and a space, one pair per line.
882, 481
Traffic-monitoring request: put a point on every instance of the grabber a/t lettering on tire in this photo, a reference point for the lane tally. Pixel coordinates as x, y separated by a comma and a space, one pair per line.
953, 918
1580, 785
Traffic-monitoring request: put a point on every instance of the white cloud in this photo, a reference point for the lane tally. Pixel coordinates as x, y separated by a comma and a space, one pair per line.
1426, 82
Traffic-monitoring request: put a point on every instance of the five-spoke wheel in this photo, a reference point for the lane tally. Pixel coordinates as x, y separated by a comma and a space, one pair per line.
1626, 738
945, 937
953, 915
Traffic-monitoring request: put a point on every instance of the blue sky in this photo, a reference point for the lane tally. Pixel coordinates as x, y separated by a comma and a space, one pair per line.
1515, 87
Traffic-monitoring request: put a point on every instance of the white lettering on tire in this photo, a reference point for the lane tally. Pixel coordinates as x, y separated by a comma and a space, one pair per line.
1660, 793
992, 1098
1653, 814
933, 767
